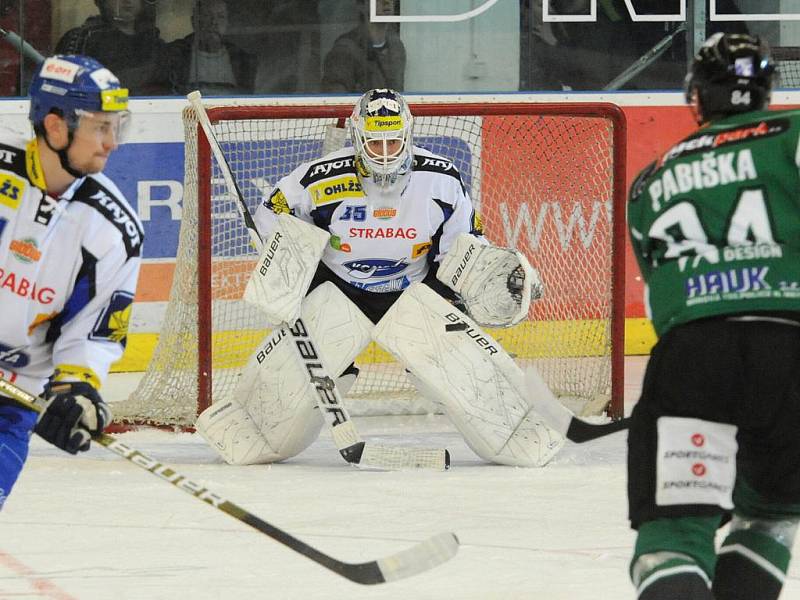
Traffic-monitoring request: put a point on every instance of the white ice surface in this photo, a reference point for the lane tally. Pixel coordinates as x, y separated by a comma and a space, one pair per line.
97, 527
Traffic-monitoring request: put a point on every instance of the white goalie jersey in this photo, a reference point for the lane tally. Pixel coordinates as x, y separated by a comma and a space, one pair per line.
380, 241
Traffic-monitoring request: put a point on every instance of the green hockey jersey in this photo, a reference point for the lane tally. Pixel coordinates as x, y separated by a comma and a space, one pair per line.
715, 223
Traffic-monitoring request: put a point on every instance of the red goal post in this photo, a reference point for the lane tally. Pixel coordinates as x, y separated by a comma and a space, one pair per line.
546, 178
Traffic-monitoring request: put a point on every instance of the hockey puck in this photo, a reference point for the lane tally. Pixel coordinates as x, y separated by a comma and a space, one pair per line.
455, 327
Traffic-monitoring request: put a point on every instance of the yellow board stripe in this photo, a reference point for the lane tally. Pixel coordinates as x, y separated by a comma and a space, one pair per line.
639, 339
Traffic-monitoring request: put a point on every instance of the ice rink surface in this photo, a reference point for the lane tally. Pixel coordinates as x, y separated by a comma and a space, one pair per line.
96, 527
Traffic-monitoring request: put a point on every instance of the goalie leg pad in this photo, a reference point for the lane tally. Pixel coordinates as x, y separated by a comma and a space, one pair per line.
337, 326
230, 431
274, 390
476, 381
272, 414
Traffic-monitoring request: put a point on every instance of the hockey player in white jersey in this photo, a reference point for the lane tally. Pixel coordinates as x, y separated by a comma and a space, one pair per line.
403, 249
70, 248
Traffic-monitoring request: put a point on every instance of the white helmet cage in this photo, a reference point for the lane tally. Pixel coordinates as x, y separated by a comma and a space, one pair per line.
382, 116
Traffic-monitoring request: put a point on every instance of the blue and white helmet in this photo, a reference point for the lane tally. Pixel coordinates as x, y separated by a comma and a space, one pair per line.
75, 85
379, 117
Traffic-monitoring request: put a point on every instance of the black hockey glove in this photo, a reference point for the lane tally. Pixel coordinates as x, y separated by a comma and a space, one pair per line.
75, 412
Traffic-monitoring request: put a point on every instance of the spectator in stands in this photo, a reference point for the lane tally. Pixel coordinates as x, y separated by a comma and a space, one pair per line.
205, 61
371, 55
289, 55
125, 39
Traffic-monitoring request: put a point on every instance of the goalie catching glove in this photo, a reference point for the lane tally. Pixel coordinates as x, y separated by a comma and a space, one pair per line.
75, 412
495, 284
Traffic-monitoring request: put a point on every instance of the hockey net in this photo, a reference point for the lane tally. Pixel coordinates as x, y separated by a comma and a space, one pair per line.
547, 179
788, 66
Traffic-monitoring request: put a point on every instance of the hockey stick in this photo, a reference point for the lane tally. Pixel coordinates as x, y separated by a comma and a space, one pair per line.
417, 559
644, 61
349, 443
23, 47
557, 416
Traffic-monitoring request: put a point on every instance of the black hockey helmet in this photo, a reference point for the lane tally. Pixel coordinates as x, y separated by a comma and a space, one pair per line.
732, 73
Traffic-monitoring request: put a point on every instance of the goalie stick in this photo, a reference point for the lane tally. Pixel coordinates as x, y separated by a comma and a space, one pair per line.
557, 416
421, 557
349, 443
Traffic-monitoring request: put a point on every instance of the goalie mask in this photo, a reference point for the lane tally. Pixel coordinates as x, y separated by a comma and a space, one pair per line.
732, 73
380, 128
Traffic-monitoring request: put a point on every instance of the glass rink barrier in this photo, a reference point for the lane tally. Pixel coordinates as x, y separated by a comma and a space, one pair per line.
247, 47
